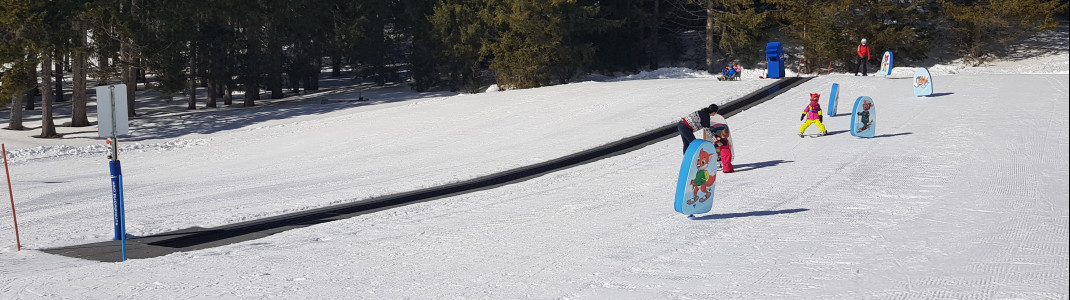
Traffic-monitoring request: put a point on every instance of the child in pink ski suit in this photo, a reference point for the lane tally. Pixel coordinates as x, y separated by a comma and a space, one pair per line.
724, 147
812, 114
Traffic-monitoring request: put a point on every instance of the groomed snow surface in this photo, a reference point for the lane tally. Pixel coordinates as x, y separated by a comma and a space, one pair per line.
963, 195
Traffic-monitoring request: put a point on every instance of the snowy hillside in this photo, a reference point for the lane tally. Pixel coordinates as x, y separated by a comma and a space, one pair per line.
961, 195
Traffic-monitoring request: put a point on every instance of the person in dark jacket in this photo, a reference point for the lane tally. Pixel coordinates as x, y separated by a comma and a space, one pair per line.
863, 58
699, 120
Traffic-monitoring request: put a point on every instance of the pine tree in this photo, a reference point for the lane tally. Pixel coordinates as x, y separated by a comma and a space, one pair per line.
17, 83
37, 32
535, 41
736, 27
980, 26
19, 19
463, 35
819, 27
626, 40
527, 43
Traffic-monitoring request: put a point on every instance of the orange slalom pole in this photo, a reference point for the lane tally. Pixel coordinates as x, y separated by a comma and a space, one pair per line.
829, 69
10, 192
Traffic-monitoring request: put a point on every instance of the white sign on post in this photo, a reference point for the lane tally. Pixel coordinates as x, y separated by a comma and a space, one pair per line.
112, 120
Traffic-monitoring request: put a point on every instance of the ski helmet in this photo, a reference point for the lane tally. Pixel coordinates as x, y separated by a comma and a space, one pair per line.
863, 41
815, 96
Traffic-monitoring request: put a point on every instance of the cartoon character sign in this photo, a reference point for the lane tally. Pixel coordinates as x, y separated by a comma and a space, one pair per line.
703, 180
864, 115
697, 180
923, 82
886, 64
863, 118
833, 96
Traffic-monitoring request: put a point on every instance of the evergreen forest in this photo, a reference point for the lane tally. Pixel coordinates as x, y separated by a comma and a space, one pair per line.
264, 48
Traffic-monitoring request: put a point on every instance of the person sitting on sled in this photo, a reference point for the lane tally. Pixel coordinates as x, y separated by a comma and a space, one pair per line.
812, 115
728, 73
738, 70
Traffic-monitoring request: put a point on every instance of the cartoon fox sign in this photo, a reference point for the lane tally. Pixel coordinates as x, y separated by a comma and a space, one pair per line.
923, 82
698, 177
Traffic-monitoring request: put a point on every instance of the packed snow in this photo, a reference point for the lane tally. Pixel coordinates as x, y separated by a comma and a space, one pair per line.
962, 195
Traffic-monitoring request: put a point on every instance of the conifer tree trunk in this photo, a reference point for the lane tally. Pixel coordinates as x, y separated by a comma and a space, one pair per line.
32, 73
192, 79
79, 116
58, 72
316, 67
336, 65
211, 94
710, 43
274, 63
19, 80
105, 66
129, 75
654, 28
15, 123
48, 127
79, 59
252, 75
128, 78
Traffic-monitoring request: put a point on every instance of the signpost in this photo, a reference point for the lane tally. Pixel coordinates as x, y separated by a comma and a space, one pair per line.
112, 121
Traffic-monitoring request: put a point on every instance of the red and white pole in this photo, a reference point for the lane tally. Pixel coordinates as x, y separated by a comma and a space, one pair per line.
10, 192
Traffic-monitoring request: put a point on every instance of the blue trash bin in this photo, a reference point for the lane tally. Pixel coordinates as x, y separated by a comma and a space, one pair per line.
774, 53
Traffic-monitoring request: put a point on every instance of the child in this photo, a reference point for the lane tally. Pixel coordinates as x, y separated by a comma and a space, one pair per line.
724, 148
812, 114
694, 122
727, 73
738, 70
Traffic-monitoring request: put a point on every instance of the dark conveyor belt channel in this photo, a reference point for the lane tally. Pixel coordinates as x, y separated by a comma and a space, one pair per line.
202, 238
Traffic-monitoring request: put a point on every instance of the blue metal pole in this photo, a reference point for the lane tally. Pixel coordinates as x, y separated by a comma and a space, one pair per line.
117, 201
116, 197
122, 213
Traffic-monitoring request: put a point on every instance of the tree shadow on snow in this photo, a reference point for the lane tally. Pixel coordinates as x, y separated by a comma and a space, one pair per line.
749, 214
160, 118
